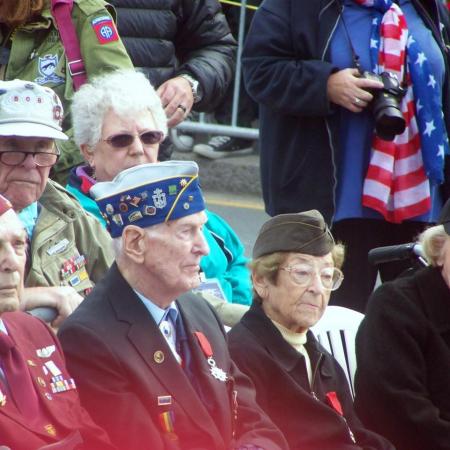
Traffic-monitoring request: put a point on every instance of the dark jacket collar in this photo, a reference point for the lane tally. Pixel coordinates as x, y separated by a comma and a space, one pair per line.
281, 351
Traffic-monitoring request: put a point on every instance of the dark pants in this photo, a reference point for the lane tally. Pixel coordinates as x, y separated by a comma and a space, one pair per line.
248, 109
359, 236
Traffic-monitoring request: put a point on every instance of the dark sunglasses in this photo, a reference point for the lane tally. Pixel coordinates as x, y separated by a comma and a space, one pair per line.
125, 139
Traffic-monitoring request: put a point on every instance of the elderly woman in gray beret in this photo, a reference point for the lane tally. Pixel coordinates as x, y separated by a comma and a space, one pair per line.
301, 387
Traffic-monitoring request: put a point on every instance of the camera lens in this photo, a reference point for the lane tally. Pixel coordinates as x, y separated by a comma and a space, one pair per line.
389, 120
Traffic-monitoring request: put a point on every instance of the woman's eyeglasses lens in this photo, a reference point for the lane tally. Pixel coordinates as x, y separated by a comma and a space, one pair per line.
125, 140
330, 277
41, 159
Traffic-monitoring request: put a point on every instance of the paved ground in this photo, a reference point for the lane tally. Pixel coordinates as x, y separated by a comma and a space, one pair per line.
245, 214
235, 175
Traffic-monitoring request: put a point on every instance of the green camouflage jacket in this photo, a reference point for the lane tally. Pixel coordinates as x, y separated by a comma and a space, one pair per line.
69, 246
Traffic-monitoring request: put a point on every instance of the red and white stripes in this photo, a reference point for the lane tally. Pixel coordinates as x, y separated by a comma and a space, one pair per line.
396, 184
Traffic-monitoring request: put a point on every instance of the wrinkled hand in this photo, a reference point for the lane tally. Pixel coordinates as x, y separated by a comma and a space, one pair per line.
64, 299
174, 92
346, 88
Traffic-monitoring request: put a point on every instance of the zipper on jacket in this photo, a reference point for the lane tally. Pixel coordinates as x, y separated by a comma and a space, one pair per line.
313, 380
341, 11
350, 432
330, 139
314, 396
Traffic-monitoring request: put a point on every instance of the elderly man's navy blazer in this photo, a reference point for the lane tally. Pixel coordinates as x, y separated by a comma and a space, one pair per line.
61, 417
133, 386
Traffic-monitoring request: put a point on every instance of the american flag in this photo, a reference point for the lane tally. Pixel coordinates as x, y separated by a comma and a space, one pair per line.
398, 178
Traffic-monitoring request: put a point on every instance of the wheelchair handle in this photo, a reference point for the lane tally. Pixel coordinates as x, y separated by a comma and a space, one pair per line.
399, 252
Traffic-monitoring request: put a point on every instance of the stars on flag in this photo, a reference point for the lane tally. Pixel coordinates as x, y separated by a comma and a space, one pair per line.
431, 81
419, 105
429, 128
441, 151
421, 58
373, 43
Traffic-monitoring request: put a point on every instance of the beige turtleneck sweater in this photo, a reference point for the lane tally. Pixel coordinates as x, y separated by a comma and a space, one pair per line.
298, 341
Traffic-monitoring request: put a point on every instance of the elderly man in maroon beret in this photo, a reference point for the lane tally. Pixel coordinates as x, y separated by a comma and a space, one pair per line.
39, 403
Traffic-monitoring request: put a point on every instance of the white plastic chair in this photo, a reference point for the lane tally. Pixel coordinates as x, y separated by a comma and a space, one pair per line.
336, 332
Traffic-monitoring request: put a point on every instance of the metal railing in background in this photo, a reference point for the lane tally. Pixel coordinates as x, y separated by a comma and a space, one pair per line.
202, 125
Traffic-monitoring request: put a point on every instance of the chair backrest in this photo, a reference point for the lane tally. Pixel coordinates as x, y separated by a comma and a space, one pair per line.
336, 332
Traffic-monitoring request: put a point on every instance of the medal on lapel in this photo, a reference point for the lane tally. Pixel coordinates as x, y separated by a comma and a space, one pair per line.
2, 398
216, 372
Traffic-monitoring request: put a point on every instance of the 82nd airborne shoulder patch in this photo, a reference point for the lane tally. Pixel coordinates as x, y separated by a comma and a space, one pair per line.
105, 30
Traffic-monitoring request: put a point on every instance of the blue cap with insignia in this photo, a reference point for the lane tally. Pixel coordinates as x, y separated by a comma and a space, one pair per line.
149, 194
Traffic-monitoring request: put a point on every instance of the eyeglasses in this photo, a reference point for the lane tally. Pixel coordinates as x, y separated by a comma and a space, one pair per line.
123, 140
330, 277
16, 158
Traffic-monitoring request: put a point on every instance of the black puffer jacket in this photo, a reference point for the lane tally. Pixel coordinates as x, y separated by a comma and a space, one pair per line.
168, 37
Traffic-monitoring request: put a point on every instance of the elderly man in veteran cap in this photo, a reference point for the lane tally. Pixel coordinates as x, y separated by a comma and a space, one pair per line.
300, 386
150, 357
39, 404
69, 248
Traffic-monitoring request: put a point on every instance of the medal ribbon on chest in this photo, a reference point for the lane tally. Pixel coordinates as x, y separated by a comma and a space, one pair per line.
216, 372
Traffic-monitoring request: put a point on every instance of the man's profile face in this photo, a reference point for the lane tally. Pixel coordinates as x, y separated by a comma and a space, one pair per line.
173, 253
13, 244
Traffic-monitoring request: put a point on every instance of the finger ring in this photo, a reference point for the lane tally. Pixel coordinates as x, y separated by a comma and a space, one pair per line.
357, 101
183, 108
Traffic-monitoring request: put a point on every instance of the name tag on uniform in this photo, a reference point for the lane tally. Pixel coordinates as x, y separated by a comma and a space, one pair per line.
53, 369
164, 400
58, 247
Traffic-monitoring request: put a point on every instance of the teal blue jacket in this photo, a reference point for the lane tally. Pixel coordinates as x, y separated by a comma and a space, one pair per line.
226, 260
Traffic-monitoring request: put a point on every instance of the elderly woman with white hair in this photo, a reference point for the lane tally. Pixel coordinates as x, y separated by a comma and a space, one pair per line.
119, 123
403, 351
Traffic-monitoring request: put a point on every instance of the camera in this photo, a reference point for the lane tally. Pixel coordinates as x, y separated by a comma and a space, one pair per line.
386, 107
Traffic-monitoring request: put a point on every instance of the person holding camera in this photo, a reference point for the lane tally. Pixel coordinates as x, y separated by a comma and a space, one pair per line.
354, 114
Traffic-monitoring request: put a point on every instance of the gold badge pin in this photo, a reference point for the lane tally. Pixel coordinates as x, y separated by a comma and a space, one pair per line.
158, 356
2, 399
41, 382
50, 429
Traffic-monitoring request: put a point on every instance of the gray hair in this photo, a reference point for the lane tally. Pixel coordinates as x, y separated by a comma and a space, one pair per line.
433, 240
126, 92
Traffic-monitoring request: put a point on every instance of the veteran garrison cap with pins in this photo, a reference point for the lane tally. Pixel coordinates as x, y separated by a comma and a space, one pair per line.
149, 194
303, 232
